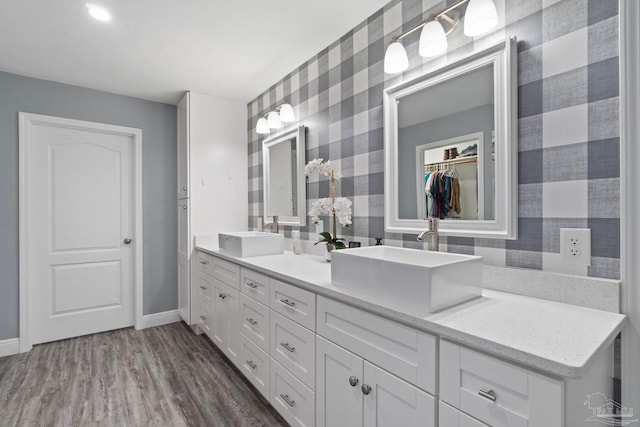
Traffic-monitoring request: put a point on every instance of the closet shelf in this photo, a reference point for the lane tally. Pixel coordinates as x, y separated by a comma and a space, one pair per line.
456, 161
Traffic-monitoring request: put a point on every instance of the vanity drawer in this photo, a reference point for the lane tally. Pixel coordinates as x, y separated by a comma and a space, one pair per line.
205, 318
295, 303
406, 352
255, 285
294, 347
451, 417
205, 263
255, 365
205, 289
497, 392
254, 321
292, 399
227, 272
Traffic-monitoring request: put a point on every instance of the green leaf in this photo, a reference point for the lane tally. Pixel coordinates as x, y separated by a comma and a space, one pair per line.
327, 236
340, 245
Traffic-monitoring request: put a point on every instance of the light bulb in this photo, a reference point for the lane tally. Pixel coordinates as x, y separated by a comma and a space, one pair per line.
395, 59
480, 18
262, 126
433, 40
286, 113
98, 13
273, 120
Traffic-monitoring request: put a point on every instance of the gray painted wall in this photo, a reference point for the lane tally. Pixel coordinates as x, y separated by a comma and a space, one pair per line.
158, 124
463, 123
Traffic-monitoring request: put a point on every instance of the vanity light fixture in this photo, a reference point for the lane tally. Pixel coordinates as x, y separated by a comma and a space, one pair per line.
275, 119
480, 18
98, 12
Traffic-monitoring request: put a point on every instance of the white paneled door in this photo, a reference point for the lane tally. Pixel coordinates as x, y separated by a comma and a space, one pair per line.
80, 223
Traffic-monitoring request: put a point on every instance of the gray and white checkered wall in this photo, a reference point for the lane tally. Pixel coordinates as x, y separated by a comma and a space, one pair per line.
569, 165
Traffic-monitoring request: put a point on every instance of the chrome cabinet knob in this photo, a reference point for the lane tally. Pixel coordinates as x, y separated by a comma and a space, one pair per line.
366, 389
127, 240
353, 381
184, 188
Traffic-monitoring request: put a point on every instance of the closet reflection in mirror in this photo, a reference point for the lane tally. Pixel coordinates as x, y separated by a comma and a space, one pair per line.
446, 150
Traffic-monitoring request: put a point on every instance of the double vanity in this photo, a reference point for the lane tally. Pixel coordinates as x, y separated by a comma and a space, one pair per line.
393, 336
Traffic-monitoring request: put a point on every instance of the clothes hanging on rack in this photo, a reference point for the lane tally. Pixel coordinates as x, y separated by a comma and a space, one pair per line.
454, 201
442, 194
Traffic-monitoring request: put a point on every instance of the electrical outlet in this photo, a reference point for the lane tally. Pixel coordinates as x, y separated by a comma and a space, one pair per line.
575, 245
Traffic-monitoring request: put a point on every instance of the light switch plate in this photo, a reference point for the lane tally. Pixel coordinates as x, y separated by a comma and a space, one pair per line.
575, 245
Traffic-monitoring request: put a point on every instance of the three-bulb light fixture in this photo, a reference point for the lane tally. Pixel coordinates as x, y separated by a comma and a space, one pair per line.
480, 18
275, 119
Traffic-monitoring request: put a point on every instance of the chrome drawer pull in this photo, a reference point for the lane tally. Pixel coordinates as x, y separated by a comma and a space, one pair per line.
203, 317
251, 364
285, 397
491, 395
252, 285
287, 302
251, 321
288, 347
204, 262
204, 288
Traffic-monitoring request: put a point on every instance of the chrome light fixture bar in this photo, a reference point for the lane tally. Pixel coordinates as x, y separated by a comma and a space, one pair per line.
481, 17
274, 119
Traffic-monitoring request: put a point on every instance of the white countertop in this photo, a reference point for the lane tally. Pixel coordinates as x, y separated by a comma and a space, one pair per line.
554, 337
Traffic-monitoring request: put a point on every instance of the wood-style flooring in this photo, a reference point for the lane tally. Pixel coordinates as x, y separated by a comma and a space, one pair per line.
164, 376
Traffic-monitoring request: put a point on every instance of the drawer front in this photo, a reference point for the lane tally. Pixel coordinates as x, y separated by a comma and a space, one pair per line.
205, 289
205, 318
205, 263
399, 349
295, 303
294, 347
291, 398
255, 365
254, 321
451, 417
227, 272
255, 285
497, 392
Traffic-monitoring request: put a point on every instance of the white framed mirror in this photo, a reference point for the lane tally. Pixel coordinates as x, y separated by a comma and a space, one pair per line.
450, 139
285, 192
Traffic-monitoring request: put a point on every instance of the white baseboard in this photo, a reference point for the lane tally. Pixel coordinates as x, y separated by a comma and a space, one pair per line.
9, 347
159, 319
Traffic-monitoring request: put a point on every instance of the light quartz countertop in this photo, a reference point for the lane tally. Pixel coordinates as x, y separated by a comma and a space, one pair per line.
553, 337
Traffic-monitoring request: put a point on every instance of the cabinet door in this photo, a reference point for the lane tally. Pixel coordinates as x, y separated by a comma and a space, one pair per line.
184, 282
393, 402
338, 403
232, 325
219, 326
183, 147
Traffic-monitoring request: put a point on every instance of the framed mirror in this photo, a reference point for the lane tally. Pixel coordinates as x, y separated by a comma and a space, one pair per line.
450, 142
285, 193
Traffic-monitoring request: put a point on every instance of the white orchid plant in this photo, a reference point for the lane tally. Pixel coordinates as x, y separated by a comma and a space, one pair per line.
338, 207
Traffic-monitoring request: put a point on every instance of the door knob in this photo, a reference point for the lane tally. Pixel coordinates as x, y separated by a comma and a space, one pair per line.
366, 389
353, 381
127, 240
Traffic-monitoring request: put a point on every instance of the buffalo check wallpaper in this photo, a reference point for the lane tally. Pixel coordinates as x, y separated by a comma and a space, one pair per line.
568, 119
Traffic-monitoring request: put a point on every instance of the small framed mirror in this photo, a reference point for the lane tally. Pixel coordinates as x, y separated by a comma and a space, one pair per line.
285, 193
451, 147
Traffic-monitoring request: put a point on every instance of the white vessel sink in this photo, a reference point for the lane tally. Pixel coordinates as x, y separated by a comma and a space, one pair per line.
251, 243
422, 281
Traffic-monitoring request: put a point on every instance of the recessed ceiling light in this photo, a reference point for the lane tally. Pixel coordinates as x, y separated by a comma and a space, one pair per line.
98, 12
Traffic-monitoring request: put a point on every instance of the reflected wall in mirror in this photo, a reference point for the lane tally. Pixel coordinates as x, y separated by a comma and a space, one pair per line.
284, 186
451, 148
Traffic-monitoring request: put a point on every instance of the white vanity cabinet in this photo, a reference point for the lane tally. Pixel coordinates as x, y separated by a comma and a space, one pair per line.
353, 392
226, 320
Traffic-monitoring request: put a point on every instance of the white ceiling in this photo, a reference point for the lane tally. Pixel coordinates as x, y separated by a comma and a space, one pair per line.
157, 49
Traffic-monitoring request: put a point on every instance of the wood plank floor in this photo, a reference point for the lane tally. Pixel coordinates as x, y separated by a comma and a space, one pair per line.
164, 376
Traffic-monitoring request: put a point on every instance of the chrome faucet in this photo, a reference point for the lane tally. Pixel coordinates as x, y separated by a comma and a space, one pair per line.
431, 233
273, 224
